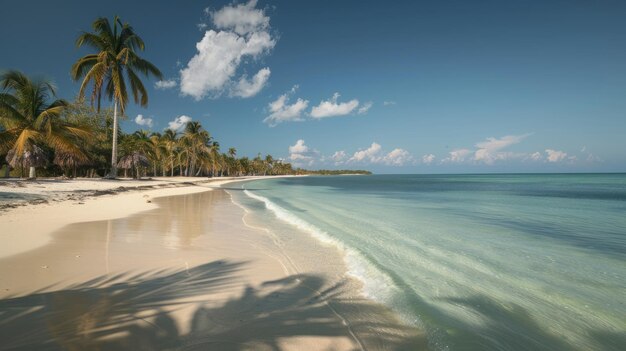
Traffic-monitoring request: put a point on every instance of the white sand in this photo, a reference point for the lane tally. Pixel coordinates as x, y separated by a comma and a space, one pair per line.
27, 227
145, 269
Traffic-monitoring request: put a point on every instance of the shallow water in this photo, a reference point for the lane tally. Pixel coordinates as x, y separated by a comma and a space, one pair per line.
481, 262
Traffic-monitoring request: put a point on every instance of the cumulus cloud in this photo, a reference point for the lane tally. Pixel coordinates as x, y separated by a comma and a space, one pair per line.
165, 84
143, 121
428, 159
375, 155
397, 157
457, 156
179, 123
331, 108
241, 19
366, 106
370, 154
281, 111
247, 88
489, 150
301, 155
555, 155
535, 156
243, 33
339, 156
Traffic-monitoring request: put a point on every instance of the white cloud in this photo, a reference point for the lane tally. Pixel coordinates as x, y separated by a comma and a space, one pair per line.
179, 123
281, 111
301, 155
143, 121
202, 26
165, 84
489, 150
299, 147
247, 88
244, 33
457, 156
536, 156
339, 157
388, 103
397, 157
331, 108
242, 18
555, 155
370, 154
375, 155
428, 159
366, 106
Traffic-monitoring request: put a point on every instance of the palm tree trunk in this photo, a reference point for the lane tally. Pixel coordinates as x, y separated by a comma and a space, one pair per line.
31, 173
6, 171
113, 173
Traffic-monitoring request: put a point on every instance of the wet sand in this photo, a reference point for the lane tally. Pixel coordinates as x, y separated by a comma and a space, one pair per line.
188, 274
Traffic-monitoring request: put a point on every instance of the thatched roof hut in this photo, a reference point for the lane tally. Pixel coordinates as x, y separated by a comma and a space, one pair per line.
136, 159
69, 160
35, 157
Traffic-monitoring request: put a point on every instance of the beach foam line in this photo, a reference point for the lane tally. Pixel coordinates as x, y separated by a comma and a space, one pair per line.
377, 285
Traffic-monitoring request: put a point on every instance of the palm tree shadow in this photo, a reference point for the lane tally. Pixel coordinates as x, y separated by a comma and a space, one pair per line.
136, 314
85, 315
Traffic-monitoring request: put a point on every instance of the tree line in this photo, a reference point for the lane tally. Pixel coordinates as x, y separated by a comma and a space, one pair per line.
42, 133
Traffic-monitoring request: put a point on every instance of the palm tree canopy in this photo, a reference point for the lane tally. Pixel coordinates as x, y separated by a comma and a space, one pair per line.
28, 118
114, 64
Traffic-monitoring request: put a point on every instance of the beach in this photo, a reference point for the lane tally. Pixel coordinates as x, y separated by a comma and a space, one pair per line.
173, 263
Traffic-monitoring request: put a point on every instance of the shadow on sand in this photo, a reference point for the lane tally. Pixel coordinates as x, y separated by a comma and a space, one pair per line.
134, 312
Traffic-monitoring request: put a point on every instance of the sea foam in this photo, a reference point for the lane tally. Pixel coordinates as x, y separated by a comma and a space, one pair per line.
377, 285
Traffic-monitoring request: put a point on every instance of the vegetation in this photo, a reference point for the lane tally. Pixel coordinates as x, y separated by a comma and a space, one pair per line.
115, 62
31, 124
56, 137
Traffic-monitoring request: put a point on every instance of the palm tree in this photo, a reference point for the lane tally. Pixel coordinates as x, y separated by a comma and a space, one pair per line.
195, 140
29, 121
157, 153
115, 62
171, 147
269, 163
215, 158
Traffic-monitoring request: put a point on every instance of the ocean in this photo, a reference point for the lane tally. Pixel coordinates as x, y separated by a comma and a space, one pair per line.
480, 262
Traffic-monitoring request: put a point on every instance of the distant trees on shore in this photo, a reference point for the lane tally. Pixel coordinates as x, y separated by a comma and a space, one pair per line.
39, 132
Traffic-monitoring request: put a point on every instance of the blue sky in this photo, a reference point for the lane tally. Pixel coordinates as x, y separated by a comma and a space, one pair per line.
404, 87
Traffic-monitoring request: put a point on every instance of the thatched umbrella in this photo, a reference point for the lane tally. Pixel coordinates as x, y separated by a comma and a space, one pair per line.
135, 160
68, 160
34, 157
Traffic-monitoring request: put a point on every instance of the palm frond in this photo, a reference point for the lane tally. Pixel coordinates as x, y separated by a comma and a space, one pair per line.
92, 40
137, 88
82, 66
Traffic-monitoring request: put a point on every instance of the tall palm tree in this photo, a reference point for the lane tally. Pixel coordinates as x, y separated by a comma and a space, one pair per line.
268, 164
114, 63
196, 142
171, 147
29, 120
215, 158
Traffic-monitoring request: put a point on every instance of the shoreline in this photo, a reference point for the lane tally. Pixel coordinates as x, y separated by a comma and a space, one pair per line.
173, 247
67, 202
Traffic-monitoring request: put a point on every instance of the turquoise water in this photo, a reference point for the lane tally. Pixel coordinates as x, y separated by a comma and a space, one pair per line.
481, 262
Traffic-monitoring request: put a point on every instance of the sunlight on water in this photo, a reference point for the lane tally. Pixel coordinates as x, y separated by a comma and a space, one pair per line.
510, 262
